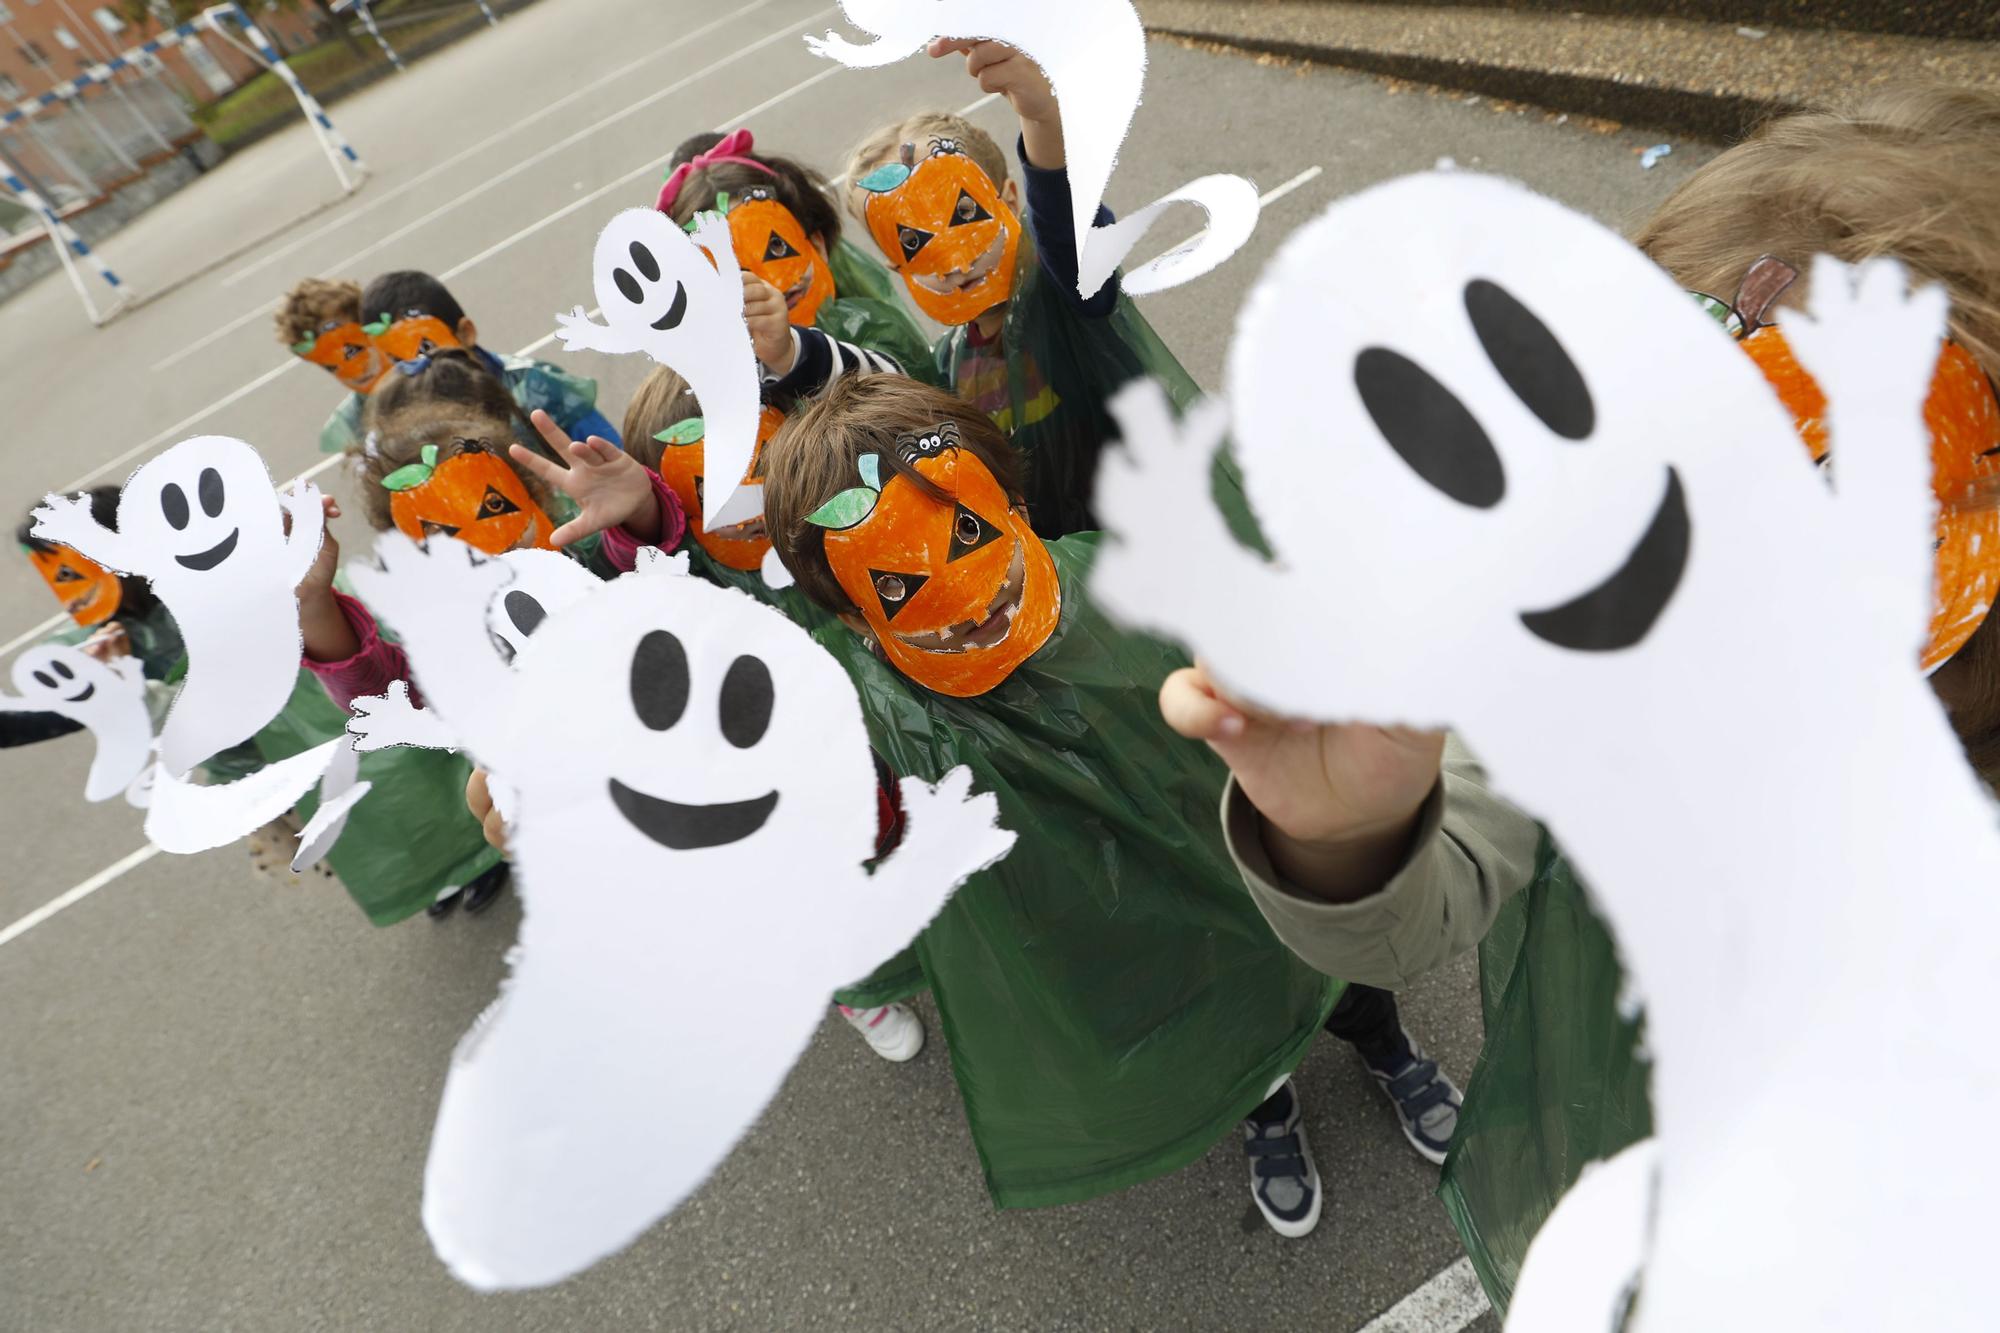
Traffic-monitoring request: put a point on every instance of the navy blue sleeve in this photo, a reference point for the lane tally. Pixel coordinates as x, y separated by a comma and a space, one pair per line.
1053, 218
27, 728
821, 361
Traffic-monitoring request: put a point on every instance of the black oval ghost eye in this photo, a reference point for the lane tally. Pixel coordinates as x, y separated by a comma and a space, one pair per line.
174, 504
1530, 359
208, 489
968, 209
62, 670
659, 680
912, 240
628, 286
526, 613
48, 682
779, 248
1429, 428
747, 697
642, 259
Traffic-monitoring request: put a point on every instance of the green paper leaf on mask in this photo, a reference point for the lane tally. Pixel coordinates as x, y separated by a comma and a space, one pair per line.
690, 431
379, 327
722, 201
870, 468
845, 509
413, 475
884, 178
304, 346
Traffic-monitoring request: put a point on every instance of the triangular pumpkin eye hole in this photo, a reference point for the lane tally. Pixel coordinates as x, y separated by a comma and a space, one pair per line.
495, 505
439, 529
967, 210
757, 463
896, 591
64, 574
912, 239
779, 248
969, 532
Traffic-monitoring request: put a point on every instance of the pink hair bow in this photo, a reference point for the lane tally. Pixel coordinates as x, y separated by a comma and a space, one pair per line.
732, 148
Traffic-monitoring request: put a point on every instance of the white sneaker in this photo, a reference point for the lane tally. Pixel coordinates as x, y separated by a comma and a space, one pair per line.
892, 1031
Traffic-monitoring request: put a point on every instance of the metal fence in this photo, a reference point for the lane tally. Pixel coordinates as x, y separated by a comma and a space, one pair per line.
85, 146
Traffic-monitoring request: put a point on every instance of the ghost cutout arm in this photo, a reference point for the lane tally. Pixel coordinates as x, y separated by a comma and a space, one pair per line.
1872, 345
711, 233
1232, 206
1154, 496
436, 596
899, 28
578, 332
949, 834
308, 516
391, 719
67, 519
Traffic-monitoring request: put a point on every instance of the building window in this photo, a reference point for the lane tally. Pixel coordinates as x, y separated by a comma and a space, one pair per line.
108, 20
11, 90
67, 39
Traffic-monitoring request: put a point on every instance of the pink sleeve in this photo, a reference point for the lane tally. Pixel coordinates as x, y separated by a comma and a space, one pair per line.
621, 548
375, 666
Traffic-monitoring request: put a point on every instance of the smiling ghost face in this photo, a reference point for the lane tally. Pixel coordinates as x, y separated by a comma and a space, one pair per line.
740, 546
958, 592
634, 271
64, 680
770, 243
87, 590
945, 228
473, 496
207, 504
346, 352
715, 726
545, 583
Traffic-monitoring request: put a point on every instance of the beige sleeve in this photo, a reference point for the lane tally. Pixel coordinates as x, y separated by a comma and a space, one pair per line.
1472, 851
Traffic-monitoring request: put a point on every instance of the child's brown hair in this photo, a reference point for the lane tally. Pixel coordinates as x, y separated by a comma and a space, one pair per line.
312, 304
798, 187
452, 402
1911, 172
663, 399
886, 145
817, 453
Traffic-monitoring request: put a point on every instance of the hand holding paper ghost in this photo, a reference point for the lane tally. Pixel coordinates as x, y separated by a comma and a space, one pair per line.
479, 801
770, 324
610, 487
999, 68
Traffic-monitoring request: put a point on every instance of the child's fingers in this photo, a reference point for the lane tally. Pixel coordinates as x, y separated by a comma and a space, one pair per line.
552, 434
947, 46
1193, 710
523, 456
983, 56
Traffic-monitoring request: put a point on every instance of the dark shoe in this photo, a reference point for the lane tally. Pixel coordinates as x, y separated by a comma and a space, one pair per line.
1426, 1101
1283, 1179
446, 904
479, 894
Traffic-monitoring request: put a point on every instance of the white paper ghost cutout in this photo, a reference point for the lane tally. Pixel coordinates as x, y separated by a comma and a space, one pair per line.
108, 700
679, 299
186, 817
1094, 54
704, 806
341, 788
1526, 488
202, 523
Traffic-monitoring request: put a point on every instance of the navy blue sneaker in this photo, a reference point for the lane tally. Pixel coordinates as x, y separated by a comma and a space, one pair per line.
1426, 1101
1283, 1179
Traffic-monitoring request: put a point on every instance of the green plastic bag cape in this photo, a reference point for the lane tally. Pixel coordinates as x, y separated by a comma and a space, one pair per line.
1113, 1001
1562, 1080
1045, 382
867, 310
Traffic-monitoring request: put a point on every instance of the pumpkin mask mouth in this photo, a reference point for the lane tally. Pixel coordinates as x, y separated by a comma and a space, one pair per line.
963, 281
991, 630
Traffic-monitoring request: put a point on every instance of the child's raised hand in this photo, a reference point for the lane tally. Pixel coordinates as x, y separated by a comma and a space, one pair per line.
770, 324
1339, 801
1008, 71
317, 585
610, 488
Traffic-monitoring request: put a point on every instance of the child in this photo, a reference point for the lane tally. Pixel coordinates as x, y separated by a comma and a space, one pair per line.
1112, 1004
786, 233
1380, 854
320, 321
409, 315
934, 192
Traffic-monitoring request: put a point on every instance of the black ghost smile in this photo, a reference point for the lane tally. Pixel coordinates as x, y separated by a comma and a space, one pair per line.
88, 690
213, 556
689, 828
1620, 611
675, 312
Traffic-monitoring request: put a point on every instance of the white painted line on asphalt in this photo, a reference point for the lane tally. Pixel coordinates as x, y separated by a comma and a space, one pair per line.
173, 432
345, 221
1449, 1301
79, 893
491, 182
1271, 196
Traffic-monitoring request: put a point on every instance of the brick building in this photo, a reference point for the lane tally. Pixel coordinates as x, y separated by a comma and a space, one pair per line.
45, 42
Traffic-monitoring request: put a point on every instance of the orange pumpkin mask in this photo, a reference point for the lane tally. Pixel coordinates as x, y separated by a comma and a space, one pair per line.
473, 496
770, 243
415, 334
958, 591
737, 545
945, 228
87, 590
1964, 422
347, 351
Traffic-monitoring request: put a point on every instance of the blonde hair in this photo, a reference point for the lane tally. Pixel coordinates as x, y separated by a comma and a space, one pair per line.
1912, 172
313, 303
886, 145
663, 400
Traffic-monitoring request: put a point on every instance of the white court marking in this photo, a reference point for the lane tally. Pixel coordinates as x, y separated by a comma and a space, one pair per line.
491, 182
1450, 1300
346, 220
79, 893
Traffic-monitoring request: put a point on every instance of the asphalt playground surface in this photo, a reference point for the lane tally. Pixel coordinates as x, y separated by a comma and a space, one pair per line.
216, 1092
